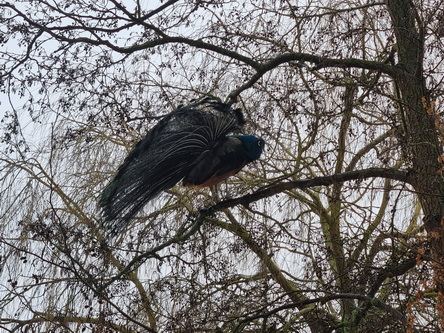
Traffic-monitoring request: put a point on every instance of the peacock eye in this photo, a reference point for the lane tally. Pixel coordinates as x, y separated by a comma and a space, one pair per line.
259, 143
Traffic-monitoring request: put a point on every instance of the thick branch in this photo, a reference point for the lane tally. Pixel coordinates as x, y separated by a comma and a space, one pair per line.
184, 234
319, 62
261, 67
370, 300
394, 174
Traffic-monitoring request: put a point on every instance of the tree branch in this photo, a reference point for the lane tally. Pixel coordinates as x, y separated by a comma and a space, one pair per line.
394, 174
260, 67
370, 300
181, 236
185, 233
319, 62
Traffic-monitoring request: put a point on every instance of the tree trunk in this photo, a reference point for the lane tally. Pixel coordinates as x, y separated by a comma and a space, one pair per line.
422, 142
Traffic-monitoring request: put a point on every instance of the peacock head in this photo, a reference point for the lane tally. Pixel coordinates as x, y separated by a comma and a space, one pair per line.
253, 145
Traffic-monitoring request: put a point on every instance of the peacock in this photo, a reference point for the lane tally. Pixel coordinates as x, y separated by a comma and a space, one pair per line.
194, 144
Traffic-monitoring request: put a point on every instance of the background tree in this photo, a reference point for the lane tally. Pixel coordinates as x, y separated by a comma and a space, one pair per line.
337, 228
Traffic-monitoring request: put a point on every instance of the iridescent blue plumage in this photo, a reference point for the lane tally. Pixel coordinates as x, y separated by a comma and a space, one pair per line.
191, 144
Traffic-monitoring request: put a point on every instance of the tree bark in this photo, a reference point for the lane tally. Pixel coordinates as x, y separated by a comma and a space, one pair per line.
422, 143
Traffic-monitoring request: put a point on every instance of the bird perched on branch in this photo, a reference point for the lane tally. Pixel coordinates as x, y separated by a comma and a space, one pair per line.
192, 144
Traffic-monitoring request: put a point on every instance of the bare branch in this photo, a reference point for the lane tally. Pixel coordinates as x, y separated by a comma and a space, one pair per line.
271, 190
